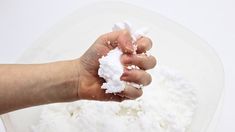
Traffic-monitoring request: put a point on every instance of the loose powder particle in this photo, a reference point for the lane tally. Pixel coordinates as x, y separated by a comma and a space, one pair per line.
167, 105
111, 68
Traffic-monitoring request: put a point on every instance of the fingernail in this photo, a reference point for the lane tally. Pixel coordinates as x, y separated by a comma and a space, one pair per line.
123, 77
130, 50
126, 59
129, 47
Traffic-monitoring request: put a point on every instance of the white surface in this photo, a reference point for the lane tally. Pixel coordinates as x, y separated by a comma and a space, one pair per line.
22, 22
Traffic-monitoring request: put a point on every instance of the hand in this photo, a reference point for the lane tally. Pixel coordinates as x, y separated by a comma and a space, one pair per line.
89, 84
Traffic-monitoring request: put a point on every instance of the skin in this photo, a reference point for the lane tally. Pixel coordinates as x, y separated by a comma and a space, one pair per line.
26, 85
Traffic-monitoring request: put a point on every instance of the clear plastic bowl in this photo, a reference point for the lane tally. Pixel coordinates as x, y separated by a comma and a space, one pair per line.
174, 46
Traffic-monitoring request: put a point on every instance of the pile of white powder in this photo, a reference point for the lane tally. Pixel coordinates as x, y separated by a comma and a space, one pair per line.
111, 67
167, 105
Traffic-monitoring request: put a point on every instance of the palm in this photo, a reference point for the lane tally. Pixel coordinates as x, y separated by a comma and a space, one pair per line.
90, 64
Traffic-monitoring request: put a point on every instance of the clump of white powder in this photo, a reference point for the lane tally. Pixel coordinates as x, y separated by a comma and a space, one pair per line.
167, 105
111, 68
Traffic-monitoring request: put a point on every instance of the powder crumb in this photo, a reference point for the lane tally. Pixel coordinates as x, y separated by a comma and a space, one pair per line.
135, 48
147, 53
131, 67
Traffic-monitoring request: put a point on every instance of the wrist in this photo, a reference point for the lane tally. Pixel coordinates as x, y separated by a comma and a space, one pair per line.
76, 66
72, 78
65, 81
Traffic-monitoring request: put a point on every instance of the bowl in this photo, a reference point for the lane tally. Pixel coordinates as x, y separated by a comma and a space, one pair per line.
174, 46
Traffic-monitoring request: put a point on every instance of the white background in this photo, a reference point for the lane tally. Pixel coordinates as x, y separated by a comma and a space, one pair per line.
23, 21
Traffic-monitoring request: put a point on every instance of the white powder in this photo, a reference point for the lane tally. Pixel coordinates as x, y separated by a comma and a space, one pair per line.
111, 68
167, 105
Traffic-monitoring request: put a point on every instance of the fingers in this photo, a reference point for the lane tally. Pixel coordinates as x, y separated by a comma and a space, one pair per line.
113, 97
121, 38
141, 60
137, 76
131, 92
125, 42
143, 44
102, 96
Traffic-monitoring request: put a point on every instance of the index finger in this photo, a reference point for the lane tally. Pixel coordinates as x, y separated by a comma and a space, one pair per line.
144, 44
122, 38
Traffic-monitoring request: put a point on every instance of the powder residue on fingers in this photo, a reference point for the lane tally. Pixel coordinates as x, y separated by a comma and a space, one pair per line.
111, 67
